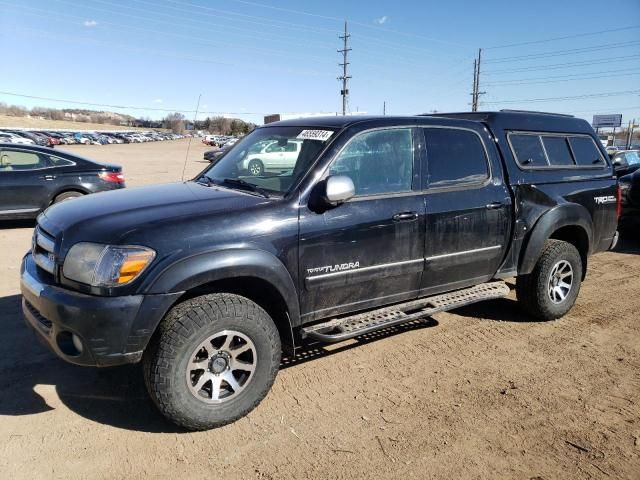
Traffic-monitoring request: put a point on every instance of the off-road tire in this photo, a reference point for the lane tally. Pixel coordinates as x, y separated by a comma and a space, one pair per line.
67, 196
186, 326
532, 289
258, 167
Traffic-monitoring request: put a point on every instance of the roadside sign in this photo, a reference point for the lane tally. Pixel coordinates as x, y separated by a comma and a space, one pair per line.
607, 120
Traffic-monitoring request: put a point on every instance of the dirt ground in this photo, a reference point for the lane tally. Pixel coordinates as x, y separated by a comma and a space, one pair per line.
481, 392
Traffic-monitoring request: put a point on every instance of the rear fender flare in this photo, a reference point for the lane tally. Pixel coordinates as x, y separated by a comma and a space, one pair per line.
568, 214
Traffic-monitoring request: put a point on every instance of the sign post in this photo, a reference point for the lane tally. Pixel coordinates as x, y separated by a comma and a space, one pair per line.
614, 121
607, 121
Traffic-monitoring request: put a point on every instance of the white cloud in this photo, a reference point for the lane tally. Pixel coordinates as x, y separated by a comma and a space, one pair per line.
90, 23
381, 20
158, 100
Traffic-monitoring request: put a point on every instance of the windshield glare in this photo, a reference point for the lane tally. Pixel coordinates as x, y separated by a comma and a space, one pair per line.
271, 158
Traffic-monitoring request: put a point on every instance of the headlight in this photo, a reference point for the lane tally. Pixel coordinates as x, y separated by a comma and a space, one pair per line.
106, 265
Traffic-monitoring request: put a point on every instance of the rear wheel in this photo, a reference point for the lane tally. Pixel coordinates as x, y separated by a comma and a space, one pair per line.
212, 360
67, 196
551, 289
256, 168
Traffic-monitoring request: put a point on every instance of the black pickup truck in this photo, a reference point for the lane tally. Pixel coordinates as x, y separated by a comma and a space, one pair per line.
375, 222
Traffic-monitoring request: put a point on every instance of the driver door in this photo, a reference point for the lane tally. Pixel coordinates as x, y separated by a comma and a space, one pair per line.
368, 251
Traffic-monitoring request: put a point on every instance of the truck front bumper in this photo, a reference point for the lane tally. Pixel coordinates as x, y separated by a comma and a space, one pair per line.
89, 330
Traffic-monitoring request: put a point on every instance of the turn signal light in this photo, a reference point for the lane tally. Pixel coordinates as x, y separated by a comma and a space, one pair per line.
133, 265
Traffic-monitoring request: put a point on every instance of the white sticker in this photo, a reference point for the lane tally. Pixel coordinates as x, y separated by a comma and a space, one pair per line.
322, 135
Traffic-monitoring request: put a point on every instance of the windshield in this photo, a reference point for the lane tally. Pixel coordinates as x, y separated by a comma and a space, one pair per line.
272, 159
633, 158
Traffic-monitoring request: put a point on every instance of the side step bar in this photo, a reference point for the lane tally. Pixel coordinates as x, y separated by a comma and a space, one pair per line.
338, 329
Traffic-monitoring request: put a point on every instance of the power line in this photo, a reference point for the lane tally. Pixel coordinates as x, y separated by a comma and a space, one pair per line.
163, 53
283, 53
573, 79
577, 35
277, 52
326, 17
188, 37
564, 65
611, 109
228, 12
572, 75
125, 107
559, 99
558, 53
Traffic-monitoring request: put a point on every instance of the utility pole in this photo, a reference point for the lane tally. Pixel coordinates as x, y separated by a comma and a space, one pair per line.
476, 82
473, 90
345, 75
384, 108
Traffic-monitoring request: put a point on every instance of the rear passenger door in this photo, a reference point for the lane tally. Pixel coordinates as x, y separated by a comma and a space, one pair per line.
468, 208
23, 181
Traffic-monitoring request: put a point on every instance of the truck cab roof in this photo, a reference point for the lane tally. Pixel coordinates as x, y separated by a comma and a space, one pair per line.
498, 120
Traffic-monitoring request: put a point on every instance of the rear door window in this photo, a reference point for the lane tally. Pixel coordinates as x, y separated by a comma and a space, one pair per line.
585, 151
454, 156
528, 150
557, 150
15, 160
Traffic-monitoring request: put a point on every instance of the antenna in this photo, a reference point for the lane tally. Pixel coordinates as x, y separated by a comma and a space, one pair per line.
186, 157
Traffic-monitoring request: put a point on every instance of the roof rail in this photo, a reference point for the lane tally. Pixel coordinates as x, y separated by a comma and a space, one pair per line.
506, 110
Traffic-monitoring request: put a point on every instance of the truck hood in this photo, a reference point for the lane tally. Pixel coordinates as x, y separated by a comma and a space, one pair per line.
108, 216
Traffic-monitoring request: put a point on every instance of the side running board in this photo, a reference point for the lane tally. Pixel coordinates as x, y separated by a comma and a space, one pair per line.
339, 329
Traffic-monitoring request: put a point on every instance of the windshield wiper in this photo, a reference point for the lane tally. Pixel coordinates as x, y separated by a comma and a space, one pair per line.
238, 182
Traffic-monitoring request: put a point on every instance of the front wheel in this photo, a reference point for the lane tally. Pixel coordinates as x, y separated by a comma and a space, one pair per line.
256, 168
212, 360
551, 289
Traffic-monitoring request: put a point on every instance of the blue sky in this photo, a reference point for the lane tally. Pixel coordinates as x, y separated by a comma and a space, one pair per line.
251, 58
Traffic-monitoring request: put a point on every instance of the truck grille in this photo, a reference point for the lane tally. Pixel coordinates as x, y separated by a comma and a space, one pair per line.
43, 250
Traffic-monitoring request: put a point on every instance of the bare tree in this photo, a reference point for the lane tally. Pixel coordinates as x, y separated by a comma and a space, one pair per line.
175, 122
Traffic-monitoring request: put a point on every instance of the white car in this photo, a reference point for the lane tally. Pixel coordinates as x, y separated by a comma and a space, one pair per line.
13, 138
273, 157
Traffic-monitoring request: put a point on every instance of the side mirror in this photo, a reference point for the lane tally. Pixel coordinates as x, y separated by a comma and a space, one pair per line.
619, 163
338, 189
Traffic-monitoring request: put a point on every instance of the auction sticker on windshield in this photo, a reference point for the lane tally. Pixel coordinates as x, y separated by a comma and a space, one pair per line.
321, 135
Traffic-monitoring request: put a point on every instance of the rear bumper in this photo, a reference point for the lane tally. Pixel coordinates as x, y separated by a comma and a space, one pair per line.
108, 330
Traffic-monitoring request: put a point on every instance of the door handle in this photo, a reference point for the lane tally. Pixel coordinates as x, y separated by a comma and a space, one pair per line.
494, 206
48, 177
405, 217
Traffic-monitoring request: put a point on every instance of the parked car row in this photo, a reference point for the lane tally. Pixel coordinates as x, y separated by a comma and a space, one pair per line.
219, 140
51, 138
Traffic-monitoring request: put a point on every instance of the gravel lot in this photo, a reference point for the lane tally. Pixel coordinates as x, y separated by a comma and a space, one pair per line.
481, 392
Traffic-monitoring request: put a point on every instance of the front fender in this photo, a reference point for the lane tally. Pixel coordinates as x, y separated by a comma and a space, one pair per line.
202, 268
566, 214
